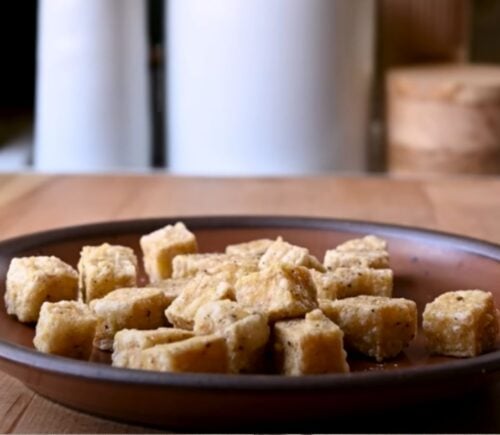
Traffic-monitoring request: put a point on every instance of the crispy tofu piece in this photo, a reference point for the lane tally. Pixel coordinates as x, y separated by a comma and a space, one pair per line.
31, 281
172, 287
325, 283
377, 259
461, 323
189, 265
354, 281
246, 333
367, 243
255, 248
66, 328
204, 354
313, 345
105, 268
199, 290
279, 292
126, 308
376, 326
281, 252
161, 246
128, 343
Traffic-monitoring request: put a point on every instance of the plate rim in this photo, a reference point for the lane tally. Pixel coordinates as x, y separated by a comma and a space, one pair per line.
24, 356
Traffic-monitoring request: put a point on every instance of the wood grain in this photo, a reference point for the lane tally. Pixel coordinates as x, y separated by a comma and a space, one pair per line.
469, 206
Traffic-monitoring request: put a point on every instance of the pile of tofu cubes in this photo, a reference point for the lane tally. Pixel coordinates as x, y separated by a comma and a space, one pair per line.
263, 306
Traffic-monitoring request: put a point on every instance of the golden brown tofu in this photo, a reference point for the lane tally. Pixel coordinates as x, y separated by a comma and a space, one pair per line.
161, 246
255, 248
281, 252
313, 345
246, 333
105, 268
204, 354
377, 259
128, 343
66, 328
201, 289
31, 281
139, 308
279, 292
326, 284
367, 243
461, 323
376, 326
354, 281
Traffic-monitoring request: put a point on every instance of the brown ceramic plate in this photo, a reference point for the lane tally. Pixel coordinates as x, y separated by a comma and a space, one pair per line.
425, 264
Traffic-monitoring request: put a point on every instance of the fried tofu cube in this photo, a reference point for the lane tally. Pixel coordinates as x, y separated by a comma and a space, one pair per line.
279, 292
354, 281
66, 328
198, 291
281, 252
367, 243
255, 248
128, 343
31, 281
203, 354
246, 333
326, 284
105, 268
139, 308
172, 287
313, 345
376, 326
461, 323
161, 246
377, 259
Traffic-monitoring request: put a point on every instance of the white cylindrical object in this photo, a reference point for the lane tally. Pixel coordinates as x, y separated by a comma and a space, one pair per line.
92, 110
268, 86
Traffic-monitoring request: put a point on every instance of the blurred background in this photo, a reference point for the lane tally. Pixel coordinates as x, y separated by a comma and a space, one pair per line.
250, 87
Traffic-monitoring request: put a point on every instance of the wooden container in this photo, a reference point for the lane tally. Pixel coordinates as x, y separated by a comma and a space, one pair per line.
444, 119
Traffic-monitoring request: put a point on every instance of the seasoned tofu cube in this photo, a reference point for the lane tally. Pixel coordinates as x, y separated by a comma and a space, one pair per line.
128, 343
66, 328
204, 353
139, 308
367, 243
313, 345
461, 323
377, 259
255, 248
279, 292
376, 326
281, 252
246, 333
161, 246
33, 280
354, 281
326, 284
106, 268
198, 291
172, 287
190, 265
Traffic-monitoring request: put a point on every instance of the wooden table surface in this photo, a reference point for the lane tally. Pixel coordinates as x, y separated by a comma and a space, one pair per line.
468, 206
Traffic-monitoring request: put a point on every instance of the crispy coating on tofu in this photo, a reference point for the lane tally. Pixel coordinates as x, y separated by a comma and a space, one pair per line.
354, 281
31, 281
105, 268
279, 292
367, 243
66, 328
313, 345
376, 326
281, 252
377, 259
161, 246
139, 308
201, 289
461, 323
172, 287
203, 354
325, 283
128, 343
255, 248
246, 333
